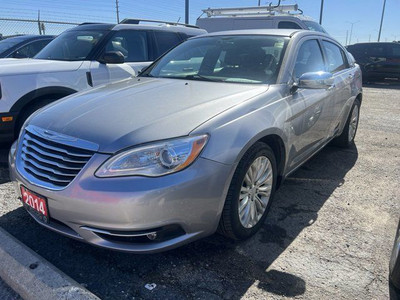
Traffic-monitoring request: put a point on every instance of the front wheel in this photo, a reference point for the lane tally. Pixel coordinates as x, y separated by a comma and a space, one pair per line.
250, 193
346, 139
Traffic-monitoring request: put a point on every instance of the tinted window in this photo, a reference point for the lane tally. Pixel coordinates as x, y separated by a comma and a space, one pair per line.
133, 44
309, 59
288, 25
71, 45
7, 44
377, 50
335, 57
31, 49
241, 59
165, 41
395, 50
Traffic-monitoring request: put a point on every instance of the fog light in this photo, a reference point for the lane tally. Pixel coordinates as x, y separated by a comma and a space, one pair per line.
152, 236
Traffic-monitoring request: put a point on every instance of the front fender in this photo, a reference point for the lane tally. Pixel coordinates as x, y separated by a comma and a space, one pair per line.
235, 131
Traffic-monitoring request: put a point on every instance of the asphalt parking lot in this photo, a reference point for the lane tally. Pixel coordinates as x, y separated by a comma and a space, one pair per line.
328, 236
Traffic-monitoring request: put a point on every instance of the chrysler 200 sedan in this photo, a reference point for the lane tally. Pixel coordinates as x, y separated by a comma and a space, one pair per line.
198, 143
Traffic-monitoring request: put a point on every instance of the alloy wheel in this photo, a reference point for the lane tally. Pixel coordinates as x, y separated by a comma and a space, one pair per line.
255, 192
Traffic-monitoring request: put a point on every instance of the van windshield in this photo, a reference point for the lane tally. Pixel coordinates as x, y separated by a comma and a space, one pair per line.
71, 45
240, 59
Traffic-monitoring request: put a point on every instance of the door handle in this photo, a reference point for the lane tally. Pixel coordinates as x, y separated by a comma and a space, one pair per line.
351, 76
331, 87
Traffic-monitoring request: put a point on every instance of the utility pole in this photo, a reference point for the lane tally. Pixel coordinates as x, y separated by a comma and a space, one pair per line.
259, 2
117, 7
351, 29
383, 13
347, 36
320, 13
186, 11
38, 21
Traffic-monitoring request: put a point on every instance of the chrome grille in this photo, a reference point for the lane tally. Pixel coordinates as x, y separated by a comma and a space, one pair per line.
50, 163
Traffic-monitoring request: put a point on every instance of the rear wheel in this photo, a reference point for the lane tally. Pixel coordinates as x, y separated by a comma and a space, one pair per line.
346, 139
250, 193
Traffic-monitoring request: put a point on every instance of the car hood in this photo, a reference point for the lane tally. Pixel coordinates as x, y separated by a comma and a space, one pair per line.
14, 66
141, 110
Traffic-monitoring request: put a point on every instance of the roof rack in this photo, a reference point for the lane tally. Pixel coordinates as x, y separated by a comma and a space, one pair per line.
138, 21
249, 11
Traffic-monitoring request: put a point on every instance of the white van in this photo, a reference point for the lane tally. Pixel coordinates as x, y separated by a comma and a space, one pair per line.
259, 17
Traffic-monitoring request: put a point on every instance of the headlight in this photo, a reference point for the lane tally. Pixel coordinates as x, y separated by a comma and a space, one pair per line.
155, 159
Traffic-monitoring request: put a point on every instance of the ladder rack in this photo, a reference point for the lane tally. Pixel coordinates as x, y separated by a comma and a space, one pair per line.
250, 11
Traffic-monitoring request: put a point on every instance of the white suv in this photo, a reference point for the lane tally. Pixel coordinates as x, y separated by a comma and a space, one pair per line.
86, 56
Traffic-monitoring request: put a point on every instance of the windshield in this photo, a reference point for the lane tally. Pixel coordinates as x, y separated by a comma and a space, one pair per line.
241, 59
71, 45
314, 26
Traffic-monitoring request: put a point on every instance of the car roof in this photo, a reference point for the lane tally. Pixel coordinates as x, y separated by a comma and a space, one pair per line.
22, 38
278, 32
372, 43
163, 27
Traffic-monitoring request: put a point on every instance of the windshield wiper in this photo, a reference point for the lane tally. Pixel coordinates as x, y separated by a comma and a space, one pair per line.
205, 78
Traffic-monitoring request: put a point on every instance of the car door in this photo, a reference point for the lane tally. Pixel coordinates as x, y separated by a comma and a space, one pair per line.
134, 46
343, 73
312, 132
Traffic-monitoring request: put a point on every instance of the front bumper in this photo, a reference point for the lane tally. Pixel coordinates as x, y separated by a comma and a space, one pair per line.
121, 213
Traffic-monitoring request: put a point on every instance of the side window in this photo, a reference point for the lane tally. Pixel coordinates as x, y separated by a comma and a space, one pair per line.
288, 25
165, 41
336, 58
396, 50
377, 50
309, 59
133, 44
31, 49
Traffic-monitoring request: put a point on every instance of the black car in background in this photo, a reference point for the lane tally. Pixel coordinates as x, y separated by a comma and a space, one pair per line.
378, 61
24, 46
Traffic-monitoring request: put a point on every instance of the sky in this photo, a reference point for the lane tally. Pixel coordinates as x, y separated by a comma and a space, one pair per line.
337, 14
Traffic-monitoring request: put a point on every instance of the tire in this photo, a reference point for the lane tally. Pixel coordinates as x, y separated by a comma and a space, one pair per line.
394, 266
230, 224
27, 112
346, 139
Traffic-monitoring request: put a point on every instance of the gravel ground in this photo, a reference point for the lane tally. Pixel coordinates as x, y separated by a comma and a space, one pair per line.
6, 293
328, 236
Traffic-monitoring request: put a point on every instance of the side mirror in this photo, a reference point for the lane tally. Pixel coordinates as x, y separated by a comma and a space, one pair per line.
112, 57
316, 80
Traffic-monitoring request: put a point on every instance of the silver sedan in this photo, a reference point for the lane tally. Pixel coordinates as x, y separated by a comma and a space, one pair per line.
199, 142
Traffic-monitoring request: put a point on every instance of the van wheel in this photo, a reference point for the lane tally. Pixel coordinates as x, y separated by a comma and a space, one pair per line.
27, 112
346, 139
250, 193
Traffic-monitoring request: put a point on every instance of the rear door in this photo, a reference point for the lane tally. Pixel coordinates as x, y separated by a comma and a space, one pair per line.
338, 65
135, 46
